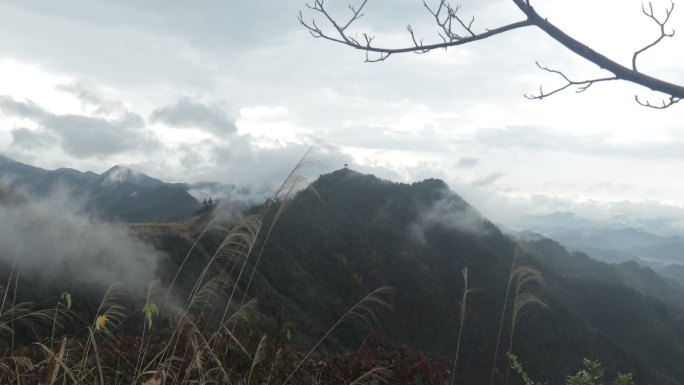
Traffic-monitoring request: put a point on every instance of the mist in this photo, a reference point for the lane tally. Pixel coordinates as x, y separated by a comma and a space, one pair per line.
450, 212
53, 239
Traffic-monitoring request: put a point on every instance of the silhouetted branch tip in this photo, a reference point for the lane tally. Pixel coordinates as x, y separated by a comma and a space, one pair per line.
665, 103
581, 85
661, 24
382, 56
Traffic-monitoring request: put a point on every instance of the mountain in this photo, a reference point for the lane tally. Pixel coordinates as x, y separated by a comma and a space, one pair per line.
119, 194
351, 233
614, 243
630, 274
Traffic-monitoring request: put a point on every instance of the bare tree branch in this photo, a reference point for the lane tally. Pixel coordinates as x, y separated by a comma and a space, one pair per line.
455, 31
621, 72
415, 42
665, 103
581, 85
650, 14
453, 38
446, 22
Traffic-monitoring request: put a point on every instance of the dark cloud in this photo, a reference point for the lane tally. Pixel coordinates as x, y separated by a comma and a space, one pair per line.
190, 114
26, 109
83, 136
30, 139
467, 162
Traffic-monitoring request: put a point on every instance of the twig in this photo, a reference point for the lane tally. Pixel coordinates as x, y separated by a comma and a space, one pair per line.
582, 85
665, 103
450, 23
449, 37
651, 15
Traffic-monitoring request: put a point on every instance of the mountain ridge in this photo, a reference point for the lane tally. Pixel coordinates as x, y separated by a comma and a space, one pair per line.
118, 194
352, 233
357, 233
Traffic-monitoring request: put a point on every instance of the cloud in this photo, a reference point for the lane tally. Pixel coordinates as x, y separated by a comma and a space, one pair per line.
487, 180
57, 241
386, 137
241, 162
90, 97
27, 109
190, 114
83, 136
217, 52
533, 138
31, 139
465, 162
450, 212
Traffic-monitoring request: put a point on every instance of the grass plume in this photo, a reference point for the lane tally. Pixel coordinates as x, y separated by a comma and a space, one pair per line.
362, 310
462, 312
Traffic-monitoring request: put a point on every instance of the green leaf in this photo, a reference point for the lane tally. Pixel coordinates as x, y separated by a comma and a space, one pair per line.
66, 296
150, 310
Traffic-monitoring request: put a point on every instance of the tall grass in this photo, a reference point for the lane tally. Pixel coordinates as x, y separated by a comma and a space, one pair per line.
522, 280
206, 337
201, 345
463, 311
362, 310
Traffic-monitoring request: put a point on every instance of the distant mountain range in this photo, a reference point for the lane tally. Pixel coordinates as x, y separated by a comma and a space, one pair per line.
613, 243
120, 193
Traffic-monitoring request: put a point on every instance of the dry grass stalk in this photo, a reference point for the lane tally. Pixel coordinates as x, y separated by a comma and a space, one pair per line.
526, 278
285, 193
463, 307
361, 310
521, 279
516, 254
53, 363
259, 355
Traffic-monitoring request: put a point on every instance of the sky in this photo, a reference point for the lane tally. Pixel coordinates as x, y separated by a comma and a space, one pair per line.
236, 91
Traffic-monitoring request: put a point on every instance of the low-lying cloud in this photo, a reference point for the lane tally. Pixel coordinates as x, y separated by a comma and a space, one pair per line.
450, 212
54, 240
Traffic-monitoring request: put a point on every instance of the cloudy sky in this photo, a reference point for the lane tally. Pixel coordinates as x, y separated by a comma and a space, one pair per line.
235, 91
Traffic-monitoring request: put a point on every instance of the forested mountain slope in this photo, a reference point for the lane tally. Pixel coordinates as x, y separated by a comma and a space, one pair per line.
351, 233
356, 233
